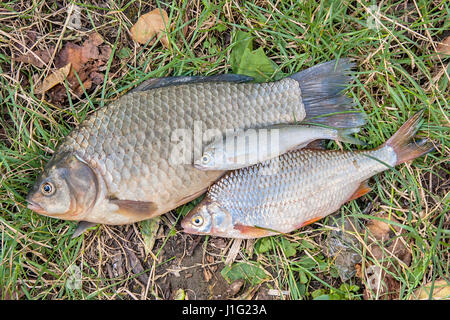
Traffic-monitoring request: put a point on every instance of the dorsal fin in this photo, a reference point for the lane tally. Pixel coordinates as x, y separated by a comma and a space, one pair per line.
173, 81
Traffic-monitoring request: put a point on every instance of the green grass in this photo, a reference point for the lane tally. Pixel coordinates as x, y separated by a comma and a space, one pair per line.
398, 73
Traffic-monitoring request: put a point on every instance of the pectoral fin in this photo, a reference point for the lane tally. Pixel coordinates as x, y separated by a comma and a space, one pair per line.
362, 190
138, 209
82, 227
254, 231
308, 222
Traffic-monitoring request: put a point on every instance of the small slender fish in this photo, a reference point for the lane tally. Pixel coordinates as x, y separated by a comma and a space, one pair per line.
302, 187
249, 147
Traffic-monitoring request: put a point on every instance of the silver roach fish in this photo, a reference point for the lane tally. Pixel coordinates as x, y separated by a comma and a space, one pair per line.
297, 188
249, 147
133, 159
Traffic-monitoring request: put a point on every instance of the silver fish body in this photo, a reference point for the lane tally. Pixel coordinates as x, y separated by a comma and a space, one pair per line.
246, 148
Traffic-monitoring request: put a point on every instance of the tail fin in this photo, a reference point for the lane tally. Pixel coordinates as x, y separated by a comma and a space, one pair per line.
321, 88
404, 147
345, 135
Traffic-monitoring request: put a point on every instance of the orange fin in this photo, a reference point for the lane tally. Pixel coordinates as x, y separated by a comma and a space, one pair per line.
132, 208
362, 190
255, 232
402, 141
309, 222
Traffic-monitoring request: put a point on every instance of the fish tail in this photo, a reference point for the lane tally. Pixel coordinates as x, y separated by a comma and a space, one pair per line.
405, 147
321, 88
345, 135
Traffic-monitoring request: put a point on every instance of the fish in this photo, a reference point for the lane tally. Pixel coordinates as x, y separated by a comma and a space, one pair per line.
245, 148
132, 159
298, 188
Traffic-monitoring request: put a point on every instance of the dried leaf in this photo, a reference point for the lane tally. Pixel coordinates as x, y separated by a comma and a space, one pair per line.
443, 48
441, 291
52, 80
80, 55
380, 285
235, 287
391, 240
87, 60
135, 266
75, 18
207, 274
149, 25
385, 243
38, 58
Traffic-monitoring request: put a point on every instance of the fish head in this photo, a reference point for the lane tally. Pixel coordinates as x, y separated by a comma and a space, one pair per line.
208, 217
210, 159
66, 189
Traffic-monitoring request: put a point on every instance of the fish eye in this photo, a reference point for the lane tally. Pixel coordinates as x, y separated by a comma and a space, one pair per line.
197, 221
47, 188
205, 159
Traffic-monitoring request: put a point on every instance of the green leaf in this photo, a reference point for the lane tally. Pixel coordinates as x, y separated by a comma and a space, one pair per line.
246, 271
256, 64
302, 277
319, 294
221, 27
245, 60
323, 297
149, 229
242, 40
124, 53
263, 245
289, 248
307, 262
179, 295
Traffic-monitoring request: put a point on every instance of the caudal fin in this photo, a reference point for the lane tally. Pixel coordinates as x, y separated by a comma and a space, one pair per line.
321, 88
403, 144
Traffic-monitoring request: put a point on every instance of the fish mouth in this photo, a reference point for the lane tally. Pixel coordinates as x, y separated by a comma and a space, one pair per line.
35, 207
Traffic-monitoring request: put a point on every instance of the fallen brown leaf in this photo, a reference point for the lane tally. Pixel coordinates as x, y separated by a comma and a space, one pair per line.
53, 79
135, 266
80, 55
390, 236
235, 287
151, 24
207, 275
38, 58
443, 48
87, 61
441, 291
384, 244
